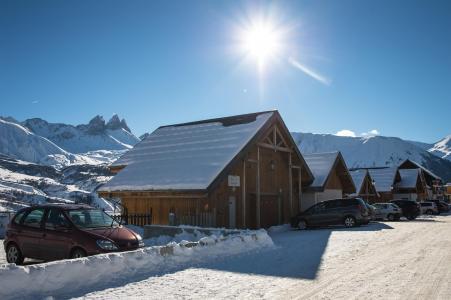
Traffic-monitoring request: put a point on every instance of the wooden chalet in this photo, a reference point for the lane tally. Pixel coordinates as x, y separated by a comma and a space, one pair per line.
364, 184
385, 180
412, 185
434, 183
242, 171
332, 178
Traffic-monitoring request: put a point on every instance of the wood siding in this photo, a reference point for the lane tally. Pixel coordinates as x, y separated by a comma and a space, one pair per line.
269, 179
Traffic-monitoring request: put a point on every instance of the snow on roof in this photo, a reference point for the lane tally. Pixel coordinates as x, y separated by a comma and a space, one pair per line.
384, 178
358, 177
185, 156
320, 164
409, 178
427, 171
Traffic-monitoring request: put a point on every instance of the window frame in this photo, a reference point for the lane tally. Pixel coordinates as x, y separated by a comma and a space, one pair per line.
22, 221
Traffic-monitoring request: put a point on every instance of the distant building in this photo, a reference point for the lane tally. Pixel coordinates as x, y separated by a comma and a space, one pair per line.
364, 184
412, 185
385, 180
238, 172
332, 178
434, 183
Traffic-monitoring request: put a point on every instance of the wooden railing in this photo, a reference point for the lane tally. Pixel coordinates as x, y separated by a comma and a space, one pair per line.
134, 219
203, 219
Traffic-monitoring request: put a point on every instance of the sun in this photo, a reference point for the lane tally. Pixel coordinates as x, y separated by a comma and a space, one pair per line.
261, 41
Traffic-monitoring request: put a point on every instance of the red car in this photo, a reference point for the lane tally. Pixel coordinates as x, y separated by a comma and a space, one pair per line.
59, 231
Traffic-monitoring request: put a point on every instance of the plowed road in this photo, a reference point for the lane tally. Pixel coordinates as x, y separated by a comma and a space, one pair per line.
392, 260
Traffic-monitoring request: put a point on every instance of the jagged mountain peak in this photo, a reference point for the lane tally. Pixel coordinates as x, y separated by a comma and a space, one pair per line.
116, 123
96, 125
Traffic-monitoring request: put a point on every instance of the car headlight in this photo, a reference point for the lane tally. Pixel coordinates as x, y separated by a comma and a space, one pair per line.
106, 245
140, 240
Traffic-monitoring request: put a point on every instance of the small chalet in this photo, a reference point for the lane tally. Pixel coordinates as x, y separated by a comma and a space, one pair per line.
364, 184
332, 178
433, 182
385, 180
412, 185
242, 171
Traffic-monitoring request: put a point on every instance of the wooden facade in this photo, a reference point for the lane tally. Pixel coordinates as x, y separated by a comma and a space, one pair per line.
272, 175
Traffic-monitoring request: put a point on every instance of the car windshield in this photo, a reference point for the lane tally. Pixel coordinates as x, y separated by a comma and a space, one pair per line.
91, 218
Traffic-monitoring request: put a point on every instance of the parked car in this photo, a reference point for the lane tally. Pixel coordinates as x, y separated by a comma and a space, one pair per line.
372, 210
410, 209
349, 212
441, 205
55, 231
388, 211
429, 208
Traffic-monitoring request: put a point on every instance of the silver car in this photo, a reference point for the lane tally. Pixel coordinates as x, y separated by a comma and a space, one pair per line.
387, 211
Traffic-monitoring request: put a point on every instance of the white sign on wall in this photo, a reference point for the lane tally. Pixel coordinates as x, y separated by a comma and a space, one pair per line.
234, 181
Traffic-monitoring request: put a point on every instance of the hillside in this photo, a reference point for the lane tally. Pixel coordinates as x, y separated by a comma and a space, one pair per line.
374, 151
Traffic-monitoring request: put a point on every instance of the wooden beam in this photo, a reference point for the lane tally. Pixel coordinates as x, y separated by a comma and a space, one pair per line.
299, 187
258, 189
254, 161
243, 189
290, 182
272, 147
295, 167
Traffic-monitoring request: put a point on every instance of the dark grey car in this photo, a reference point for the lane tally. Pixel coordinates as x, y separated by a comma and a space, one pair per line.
349, 212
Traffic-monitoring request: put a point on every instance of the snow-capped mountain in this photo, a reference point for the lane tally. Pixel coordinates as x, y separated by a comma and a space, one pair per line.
373, 151
36, 140
24, 183
96, 135
442, 148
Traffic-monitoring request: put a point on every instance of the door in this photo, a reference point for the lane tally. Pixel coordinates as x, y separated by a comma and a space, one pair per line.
232, 212
31, 233
57, 239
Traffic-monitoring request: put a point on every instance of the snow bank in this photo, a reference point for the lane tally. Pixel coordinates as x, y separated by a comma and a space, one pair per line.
71, 277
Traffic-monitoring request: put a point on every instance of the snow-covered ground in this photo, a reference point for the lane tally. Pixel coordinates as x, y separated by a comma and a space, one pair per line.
393, 260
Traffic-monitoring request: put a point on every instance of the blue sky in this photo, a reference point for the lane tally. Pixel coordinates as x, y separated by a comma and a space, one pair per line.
386, 64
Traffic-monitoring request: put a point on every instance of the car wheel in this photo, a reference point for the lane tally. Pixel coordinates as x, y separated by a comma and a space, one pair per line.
13, 255
410, 217
391, 217
429, 212
302, 225
349, 221
78, 253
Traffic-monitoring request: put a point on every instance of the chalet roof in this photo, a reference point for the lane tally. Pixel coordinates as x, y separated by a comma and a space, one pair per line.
187, 156
358, 176
384, 178
322, 164
410, 164
409, 178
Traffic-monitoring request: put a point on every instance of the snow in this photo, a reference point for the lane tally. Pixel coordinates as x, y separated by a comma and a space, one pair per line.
409, 178
358, 176
442, 148
321, 165
374, 151
332, 263
71, 277
84, 138
384, 179
183, 156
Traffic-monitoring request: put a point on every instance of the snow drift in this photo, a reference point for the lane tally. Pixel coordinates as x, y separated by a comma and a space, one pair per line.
71, 277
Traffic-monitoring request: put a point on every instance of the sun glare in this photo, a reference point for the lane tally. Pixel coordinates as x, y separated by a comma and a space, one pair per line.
261, 41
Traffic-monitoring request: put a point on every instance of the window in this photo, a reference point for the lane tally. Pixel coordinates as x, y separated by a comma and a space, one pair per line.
320, 207
332, 204
19, 217
34, 218
348, 202
91, 218
56, 220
